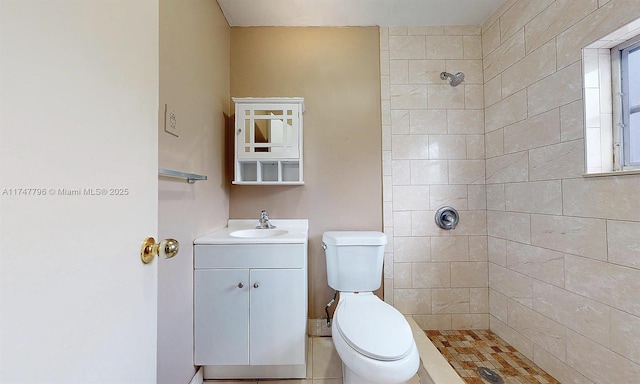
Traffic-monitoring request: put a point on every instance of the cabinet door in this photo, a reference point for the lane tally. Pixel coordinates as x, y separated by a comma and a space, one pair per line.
278, 316
221, 300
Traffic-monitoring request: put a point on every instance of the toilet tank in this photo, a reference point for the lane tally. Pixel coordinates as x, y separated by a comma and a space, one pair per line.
354, 259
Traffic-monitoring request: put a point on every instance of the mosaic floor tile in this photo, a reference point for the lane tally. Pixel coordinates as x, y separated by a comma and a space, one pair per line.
467, 350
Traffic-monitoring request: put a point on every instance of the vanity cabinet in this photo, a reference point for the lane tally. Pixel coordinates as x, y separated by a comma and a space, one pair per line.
251, 310
268, 141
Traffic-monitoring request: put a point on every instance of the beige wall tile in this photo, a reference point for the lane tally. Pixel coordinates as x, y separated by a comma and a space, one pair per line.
408, 96
398, 31
427, 30
539, 263
401, 172
470, 321
571, 121
493, 91
477, 197
558, 89
558, 368
605, 20
437, 322
520, 14
532, 68
515, 339
508, 111
475, 147
469, 274
472, 223
585, 316
399, 121
478, 249
509, 225
408, 198
544, 332
429, 172
602, 197
498, 13
402, 223
444, 47
472, 70
401, 275
534, 197
410, 146
450, 248
490, 38
412, 301
537, 131
508, 53
559, 161
399, 71
508, 168
431, 275
511, 284
578, 236
452, 195
623, 243
425, 71
447, 147
466, 171
411, 249
473, 96
598, 363
384, 38
450, 300
498, 305
496, 197
585, 277
479, 300
428, 121
470, 30
625, 335
472, 46
444, 96
423, 224
494, 143
555, 19
497, 249
407, 47
464, 121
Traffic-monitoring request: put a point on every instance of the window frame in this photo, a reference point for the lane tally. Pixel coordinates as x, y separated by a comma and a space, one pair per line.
621, 107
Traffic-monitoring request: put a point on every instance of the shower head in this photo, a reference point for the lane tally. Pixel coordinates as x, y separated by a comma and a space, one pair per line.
454, 80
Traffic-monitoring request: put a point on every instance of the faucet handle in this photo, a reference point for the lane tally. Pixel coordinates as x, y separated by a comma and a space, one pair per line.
264, 214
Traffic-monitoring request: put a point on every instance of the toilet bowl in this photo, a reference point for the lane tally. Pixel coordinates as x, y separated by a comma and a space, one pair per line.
373, 340
371, 337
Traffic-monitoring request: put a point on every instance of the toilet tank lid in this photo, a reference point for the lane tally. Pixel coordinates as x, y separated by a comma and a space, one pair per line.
354, 238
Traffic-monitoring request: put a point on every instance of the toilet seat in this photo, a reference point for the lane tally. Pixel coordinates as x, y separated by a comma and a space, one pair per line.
373, 328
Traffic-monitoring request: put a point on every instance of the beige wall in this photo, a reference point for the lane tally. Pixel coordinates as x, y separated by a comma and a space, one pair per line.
194, 81
336, 70
434, 156
563, 249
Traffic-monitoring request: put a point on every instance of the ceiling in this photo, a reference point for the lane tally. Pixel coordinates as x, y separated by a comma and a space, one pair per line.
337, 13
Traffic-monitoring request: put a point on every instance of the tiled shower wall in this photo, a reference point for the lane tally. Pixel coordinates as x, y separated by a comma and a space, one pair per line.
433, 155
564, 250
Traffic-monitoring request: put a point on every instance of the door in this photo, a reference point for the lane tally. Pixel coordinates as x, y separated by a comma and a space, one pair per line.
221, 299
78, 191
278, 316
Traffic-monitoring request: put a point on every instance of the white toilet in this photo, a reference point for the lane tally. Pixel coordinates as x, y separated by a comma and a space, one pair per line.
372, 338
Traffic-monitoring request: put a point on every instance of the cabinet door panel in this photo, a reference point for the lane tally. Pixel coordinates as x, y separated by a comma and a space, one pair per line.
278, 316
221, 317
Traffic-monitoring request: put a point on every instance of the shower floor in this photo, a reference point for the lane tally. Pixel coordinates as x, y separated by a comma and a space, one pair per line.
467, 350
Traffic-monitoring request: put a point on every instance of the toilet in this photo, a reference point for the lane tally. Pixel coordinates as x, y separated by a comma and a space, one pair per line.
371, 337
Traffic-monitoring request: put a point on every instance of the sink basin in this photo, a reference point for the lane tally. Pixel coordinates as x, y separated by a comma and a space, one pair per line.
258, 233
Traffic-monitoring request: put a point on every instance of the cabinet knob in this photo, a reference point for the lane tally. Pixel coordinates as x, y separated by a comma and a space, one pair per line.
256, 285
240, 285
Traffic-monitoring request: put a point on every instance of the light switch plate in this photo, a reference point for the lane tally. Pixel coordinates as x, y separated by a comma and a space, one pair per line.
170, 121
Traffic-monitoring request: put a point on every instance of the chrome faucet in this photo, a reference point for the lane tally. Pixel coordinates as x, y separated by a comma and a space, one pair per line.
264, 221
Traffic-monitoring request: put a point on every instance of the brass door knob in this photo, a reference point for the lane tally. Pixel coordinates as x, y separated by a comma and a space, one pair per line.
167, 248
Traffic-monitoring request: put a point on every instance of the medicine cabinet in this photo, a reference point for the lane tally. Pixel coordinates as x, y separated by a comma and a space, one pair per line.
268, 141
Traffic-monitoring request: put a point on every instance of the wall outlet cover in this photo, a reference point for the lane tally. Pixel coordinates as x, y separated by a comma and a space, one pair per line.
170, 121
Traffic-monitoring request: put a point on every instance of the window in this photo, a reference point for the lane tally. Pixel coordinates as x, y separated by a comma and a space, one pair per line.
630, 104
611, 74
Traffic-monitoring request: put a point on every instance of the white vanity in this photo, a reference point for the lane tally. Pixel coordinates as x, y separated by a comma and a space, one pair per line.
250, 300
